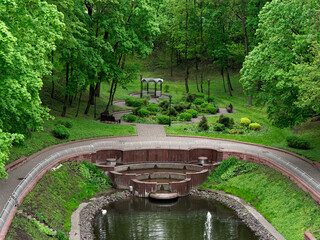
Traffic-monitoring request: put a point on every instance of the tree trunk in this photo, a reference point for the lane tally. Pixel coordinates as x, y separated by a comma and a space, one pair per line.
91, 98
64, 110
201, 81
222, 74
171, 58
78, 104
186, 51
229, 82
52, 80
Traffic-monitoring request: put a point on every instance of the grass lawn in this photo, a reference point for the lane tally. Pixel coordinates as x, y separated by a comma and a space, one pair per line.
288, 208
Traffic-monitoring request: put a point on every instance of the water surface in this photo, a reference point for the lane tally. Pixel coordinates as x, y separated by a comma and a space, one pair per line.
188, 218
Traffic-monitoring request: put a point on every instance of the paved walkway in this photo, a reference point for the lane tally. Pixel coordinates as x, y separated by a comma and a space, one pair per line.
153, 136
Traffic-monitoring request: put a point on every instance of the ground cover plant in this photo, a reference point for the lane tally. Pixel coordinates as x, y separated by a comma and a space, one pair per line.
268, 191
54, 199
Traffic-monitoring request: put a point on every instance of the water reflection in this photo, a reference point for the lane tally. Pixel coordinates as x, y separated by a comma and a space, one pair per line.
188, 218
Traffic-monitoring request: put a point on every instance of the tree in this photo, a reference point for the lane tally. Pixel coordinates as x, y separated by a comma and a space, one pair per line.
268, 71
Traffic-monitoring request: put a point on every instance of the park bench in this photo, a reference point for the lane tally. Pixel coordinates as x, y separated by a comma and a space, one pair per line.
109, 118
229, 108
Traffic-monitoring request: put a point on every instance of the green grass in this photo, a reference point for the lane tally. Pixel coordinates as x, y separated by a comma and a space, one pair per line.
289, 209
82, 128
56, 196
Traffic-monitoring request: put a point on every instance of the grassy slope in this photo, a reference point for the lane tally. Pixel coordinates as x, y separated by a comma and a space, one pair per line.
269, 191
55, 197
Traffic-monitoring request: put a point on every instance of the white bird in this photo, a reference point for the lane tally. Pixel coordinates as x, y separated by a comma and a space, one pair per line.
104, 211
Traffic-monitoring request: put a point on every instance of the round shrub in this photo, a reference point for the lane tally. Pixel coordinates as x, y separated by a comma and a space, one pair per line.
297, 142
152, 107
226, 121
245, 121
146, 96
163, 119
60, 131
179, 107
66, 123
198, 101
135, 102
204, 105
255, 126
211, 109
203, 124
185, 116
218, 127
172, 112
143, 112
193, 113
131, 118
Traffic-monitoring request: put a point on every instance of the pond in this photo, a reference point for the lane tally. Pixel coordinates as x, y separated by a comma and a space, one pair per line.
186, 218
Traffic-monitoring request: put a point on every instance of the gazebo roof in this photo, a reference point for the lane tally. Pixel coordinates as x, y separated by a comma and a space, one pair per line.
156, 80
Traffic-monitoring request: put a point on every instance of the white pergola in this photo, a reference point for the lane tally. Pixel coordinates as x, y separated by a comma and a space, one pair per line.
156, 81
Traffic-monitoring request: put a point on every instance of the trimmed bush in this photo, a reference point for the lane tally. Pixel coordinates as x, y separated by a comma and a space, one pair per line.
131, 118
135, 110
163, 119
135, 102
179, 107
60, 131
255, 126
226, 121
152, 107
164, 104
198, 101
211, 109
191, 98
148, 97
185, 116
172, 112
203, 124
219, 127
193, 113
297, 142
143, 113
204, 105
66, 123
245, 121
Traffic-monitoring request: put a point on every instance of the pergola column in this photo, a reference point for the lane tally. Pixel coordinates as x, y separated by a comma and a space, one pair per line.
155, 89
141, 86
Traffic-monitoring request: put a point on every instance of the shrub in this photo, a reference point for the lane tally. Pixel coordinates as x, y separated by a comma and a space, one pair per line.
131, 118
236, 131
193, 113
61, 236
166, 88
198, 101
60, 131
148, 97
203, 124
211, 109
191, 98
226, 121
218, 127
179, 107
164, 104
42, 229
245, 121
66, 123
255, 126
172, 112
135, 110
163, 119
153, 107
135, 102
297, 142
143, 113
204, 105
185, 116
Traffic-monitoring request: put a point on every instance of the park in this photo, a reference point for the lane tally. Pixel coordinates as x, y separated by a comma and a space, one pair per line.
160, 119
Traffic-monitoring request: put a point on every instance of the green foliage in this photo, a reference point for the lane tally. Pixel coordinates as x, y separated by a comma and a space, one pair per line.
211, 109
173, 112
66, 123
164, 104
218, 127
152, 107
61, 132
297, 142
255, 126
198, 101
134, 102
185, 116
191, 98
131, 118
148, 97
245, 121
143, 112
204, 105
271, 71
43, 229
163, 119
166, 88
179, 107
226, 121
61, 235
203, 124
193, 112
